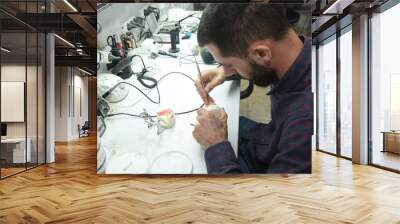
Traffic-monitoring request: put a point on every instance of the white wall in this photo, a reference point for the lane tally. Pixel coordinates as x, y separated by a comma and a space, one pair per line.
70, 83
34, 126
16, 73
61, 103
79, 117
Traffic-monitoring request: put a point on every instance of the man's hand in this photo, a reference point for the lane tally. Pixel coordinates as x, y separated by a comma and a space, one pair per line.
210, 78
210, 129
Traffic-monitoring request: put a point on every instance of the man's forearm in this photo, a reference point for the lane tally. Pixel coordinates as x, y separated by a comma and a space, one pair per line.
221, 159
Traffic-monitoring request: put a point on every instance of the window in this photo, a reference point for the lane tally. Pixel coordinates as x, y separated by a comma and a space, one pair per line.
22, 78
385, 89
346, 92
314, 90
327, 95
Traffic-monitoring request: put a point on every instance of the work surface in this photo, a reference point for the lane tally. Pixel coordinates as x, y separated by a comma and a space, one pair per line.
130, 137
13, 140
70, 191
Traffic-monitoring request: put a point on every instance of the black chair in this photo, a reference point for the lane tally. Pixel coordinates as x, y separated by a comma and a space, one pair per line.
84, 130
245, 93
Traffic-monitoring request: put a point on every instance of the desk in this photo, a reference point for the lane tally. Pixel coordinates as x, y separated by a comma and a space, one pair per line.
126, 135
391, 142
17, 150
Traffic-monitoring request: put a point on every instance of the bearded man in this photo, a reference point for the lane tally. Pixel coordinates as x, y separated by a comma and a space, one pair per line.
256, 42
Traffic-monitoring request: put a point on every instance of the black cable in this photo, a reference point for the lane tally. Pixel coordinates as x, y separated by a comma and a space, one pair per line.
127, 114
106, 94
141, 75
158, 92
181, 73
181, 20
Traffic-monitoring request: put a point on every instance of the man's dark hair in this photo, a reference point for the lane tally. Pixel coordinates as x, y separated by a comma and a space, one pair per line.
231, 27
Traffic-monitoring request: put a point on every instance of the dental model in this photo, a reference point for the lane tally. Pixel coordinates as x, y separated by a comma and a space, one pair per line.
166, 118
213, 108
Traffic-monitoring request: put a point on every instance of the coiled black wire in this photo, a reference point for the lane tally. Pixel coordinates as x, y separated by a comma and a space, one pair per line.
151, 100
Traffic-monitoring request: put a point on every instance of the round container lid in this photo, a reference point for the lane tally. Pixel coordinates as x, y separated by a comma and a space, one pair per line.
172, 162
128, 163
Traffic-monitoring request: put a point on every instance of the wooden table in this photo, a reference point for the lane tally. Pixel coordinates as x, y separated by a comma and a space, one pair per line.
16, 149
391, 141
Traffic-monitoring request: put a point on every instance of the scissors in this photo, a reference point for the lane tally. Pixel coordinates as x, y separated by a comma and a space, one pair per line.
116, 47
199, 74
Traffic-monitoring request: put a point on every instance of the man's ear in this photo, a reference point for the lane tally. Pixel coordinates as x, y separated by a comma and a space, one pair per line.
260, 53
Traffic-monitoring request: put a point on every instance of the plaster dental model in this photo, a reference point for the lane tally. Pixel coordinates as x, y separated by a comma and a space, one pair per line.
166, 118
213, 108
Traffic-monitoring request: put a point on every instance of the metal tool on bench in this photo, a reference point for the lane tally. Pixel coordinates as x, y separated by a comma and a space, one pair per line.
161, 52
165, 120
199, 75
115, 43
209, 107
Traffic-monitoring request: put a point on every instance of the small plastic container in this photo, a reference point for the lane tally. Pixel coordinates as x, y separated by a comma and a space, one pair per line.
128, 163
172, 162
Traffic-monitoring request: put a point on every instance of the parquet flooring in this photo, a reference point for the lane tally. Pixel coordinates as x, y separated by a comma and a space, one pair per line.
10, 171
70, 191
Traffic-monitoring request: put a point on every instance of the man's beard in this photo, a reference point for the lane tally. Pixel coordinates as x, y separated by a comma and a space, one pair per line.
262, 75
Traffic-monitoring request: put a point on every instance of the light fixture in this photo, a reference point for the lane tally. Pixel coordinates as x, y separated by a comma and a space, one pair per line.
70, 5
86, 72
79, 51
337, 7
65, 41
5, 50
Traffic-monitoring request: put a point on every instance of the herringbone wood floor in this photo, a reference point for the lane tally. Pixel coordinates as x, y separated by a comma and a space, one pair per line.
69, 191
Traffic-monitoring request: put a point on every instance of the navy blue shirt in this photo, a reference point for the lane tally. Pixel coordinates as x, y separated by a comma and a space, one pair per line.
284, 144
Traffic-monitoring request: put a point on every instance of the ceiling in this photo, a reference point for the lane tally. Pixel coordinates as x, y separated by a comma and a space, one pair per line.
73, 20
20, 54
332, 15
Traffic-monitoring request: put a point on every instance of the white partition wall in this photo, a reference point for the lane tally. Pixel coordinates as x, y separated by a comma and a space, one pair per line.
71, 102
22, 90
12, 101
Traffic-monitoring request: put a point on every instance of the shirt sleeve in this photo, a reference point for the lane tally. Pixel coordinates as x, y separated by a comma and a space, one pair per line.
294, 148
220, 158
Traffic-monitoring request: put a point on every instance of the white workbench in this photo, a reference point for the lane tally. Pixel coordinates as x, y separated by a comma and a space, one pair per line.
19, 154
126, 135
